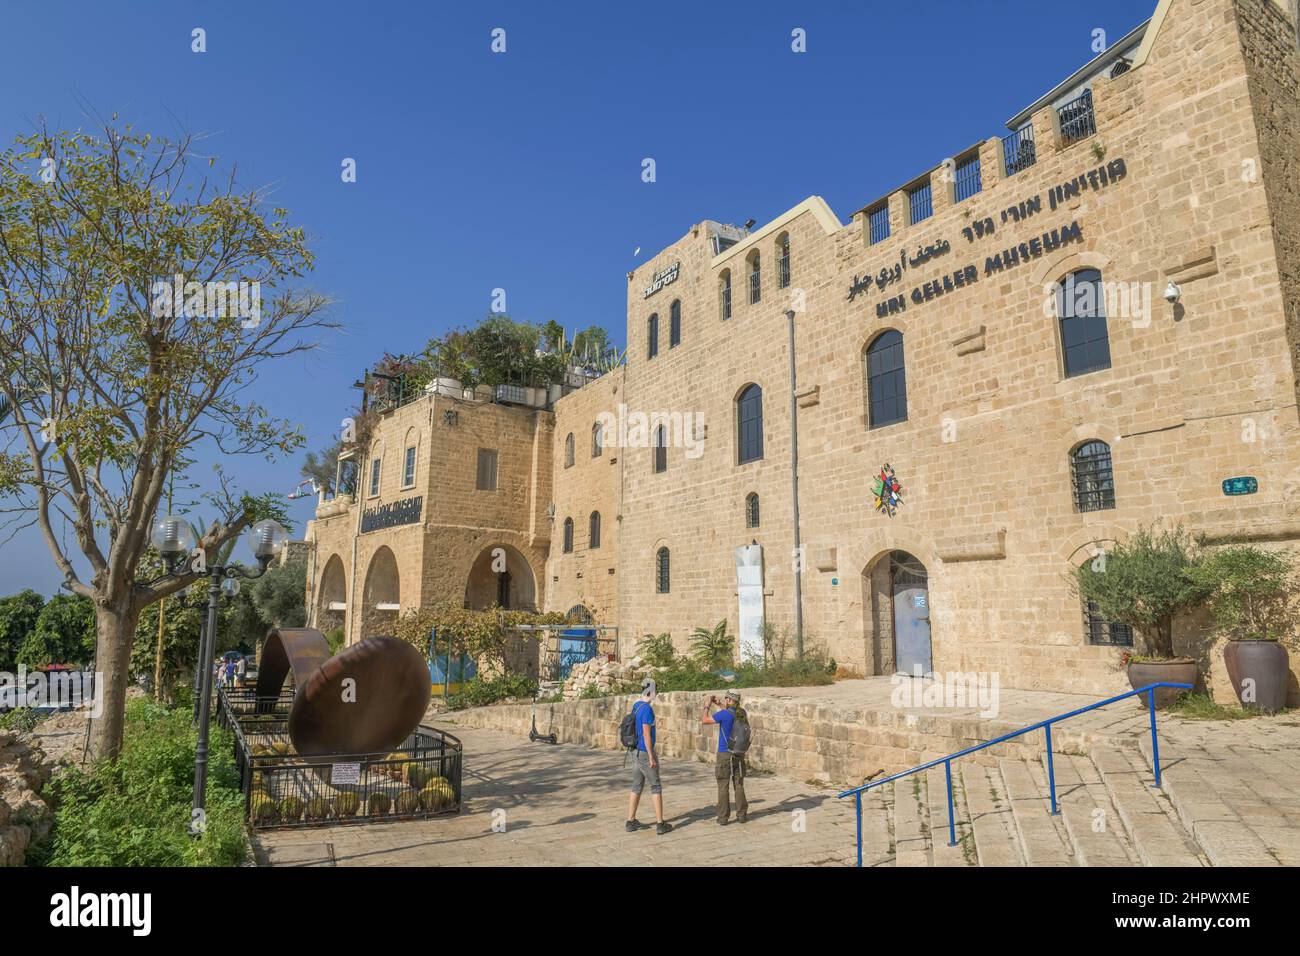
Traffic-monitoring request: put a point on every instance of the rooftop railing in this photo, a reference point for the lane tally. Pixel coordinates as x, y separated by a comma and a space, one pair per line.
1018, 151
1077, 119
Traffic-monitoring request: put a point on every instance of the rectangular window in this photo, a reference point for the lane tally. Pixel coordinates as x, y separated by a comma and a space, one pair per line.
968, 177
1102, 631
878, 222
408, 468
922, 206
374, 477
1077, 119
486, 479
652, 336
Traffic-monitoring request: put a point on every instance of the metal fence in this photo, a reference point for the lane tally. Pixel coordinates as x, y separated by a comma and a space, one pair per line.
922, 205
967, 177
420, 779
1018, 150
1077, 119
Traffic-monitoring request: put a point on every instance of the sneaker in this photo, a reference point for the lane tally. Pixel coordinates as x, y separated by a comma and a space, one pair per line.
663, 828
722, 823
633, 825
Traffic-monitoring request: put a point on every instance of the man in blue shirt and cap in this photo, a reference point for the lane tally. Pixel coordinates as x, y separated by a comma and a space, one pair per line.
730, 767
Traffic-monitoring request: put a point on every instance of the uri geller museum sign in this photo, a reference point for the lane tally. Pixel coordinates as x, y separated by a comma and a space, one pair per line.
1051, 240
393, 514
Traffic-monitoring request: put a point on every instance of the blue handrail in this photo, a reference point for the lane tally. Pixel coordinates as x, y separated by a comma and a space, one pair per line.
1046, 725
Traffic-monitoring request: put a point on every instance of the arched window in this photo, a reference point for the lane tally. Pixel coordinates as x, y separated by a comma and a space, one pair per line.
593, 530
568, 535
1081, 307
652, 336
783, 260
661, 571
724, 293
886, 380
597, 440
661, 449
751, 510
755, 278
749, 424
675, 324
568, 451
1094, 482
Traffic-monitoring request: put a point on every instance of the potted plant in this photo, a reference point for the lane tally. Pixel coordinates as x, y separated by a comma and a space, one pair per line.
1253, 601
1144, 582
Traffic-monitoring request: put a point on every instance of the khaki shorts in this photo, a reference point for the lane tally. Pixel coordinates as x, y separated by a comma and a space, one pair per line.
643, 773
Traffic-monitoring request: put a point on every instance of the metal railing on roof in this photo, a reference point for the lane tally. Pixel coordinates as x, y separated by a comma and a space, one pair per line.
1077, 119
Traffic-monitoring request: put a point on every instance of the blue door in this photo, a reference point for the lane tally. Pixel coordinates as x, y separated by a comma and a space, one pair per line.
911, 615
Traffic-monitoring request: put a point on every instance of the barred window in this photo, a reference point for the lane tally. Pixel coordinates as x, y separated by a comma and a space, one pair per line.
1094, 481
755, 279
724, 294
1081, 307
783, 261
967, 175
652, 336
751, 510
1102, 631
921, 202
568, 535
749, 421
660, 450
593, 530
886, 380
661, 571
675, 324
878, 223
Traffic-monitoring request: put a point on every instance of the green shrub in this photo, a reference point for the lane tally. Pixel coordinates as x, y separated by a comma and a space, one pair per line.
657, 649
22, 719
261, 808
319, 808
713, 647
135, 811
291, 809
479, 691
378, 803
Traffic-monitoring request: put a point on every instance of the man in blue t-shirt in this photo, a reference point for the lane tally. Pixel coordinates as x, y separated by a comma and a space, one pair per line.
645, 768
730, 767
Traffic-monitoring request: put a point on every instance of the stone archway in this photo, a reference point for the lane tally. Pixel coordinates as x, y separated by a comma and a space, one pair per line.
381, 598
501, 575
332, 596
896, 613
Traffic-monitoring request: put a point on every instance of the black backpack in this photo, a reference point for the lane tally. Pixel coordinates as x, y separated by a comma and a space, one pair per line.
627, 729
739, 738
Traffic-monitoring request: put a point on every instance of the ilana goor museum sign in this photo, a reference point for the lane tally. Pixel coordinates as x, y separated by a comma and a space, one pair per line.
1094, 179
390, 515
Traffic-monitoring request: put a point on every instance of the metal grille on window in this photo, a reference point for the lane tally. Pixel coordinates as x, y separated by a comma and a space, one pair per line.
1094, 482
922, 206
751, 511
755, 281
968, 178
878, 223
725, 297
661, 571
1102, 631
783, 264
750, 420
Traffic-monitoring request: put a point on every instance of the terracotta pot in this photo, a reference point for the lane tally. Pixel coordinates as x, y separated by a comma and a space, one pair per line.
1262, 664
1176, 672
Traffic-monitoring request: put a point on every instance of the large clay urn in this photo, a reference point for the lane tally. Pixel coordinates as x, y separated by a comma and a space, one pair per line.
1151, 672
1258, 669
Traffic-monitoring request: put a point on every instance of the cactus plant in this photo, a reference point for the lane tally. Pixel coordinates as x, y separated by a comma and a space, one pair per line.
291, 809
408, 802
347, 804
438, 794
261, 808
378, 804
318, 808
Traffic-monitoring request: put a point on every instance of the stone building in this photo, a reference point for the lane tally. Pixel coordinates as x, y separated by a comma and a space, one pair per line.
1065, 331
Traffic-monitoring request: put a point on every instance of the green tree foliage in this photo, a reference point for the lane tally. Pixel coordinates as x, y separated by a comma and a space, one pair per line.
64, 633
18, 616
1253, 593
276, 599
1145, 581
713, 647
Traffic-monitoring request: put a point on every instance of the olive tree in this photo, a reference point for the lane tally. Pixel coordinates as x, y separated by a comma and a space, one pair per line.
140, 293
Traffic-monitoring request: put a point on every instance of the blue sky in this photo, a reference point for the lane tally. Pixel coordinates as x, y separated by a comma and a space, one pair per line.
522, 170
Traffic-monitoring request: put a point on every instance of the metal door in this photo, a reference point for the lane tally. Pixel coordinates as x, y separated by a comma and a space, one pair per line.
911, 616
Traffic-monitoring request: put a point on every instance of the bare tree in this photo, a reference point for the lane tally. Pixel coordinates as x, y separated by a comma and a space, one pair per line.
113, 382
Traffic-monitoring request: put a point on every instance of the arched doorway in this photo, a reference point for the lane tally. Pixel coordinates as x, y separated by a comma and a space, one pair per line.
381, 597
897, 604
332, 596
501, 576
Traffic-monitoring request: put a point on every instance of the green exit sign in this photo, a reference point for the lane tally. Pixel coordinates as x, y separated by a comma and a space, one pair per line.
1240, 486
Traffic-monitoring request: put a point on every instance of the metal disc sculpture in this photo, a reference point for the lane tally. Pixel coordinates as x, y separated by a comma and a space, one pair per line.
367, 698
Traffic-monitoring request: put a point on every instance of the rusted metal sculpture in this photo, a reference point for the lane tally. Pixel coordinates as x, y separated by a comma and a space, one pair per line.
368, 698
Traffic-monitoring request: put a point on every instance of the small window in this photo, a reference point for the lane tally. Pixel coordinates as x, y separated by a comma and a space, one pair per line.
374, 476
749, 420
783, 261
724, 294
675, 324
967, 177
486, 479
1094, 482
1102, 631
597, 440
408, 468
886, 380
568, 451
920, 202
661, 450
661, 571
568, 535
1081, 306
652, 336
878, 223
751, 510
593, 530
755, 279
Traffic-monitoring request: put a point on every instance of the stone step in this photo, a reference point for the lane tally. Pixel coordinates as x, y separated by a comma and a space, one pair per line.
1211, 812
1091, 822
877, 837
1145, 814
909, 813
1042, 838
989, 811
963, 854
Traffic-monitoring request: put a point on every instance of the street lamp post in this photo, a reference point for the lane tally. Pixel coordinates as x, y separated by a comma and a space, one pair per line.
174, 539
